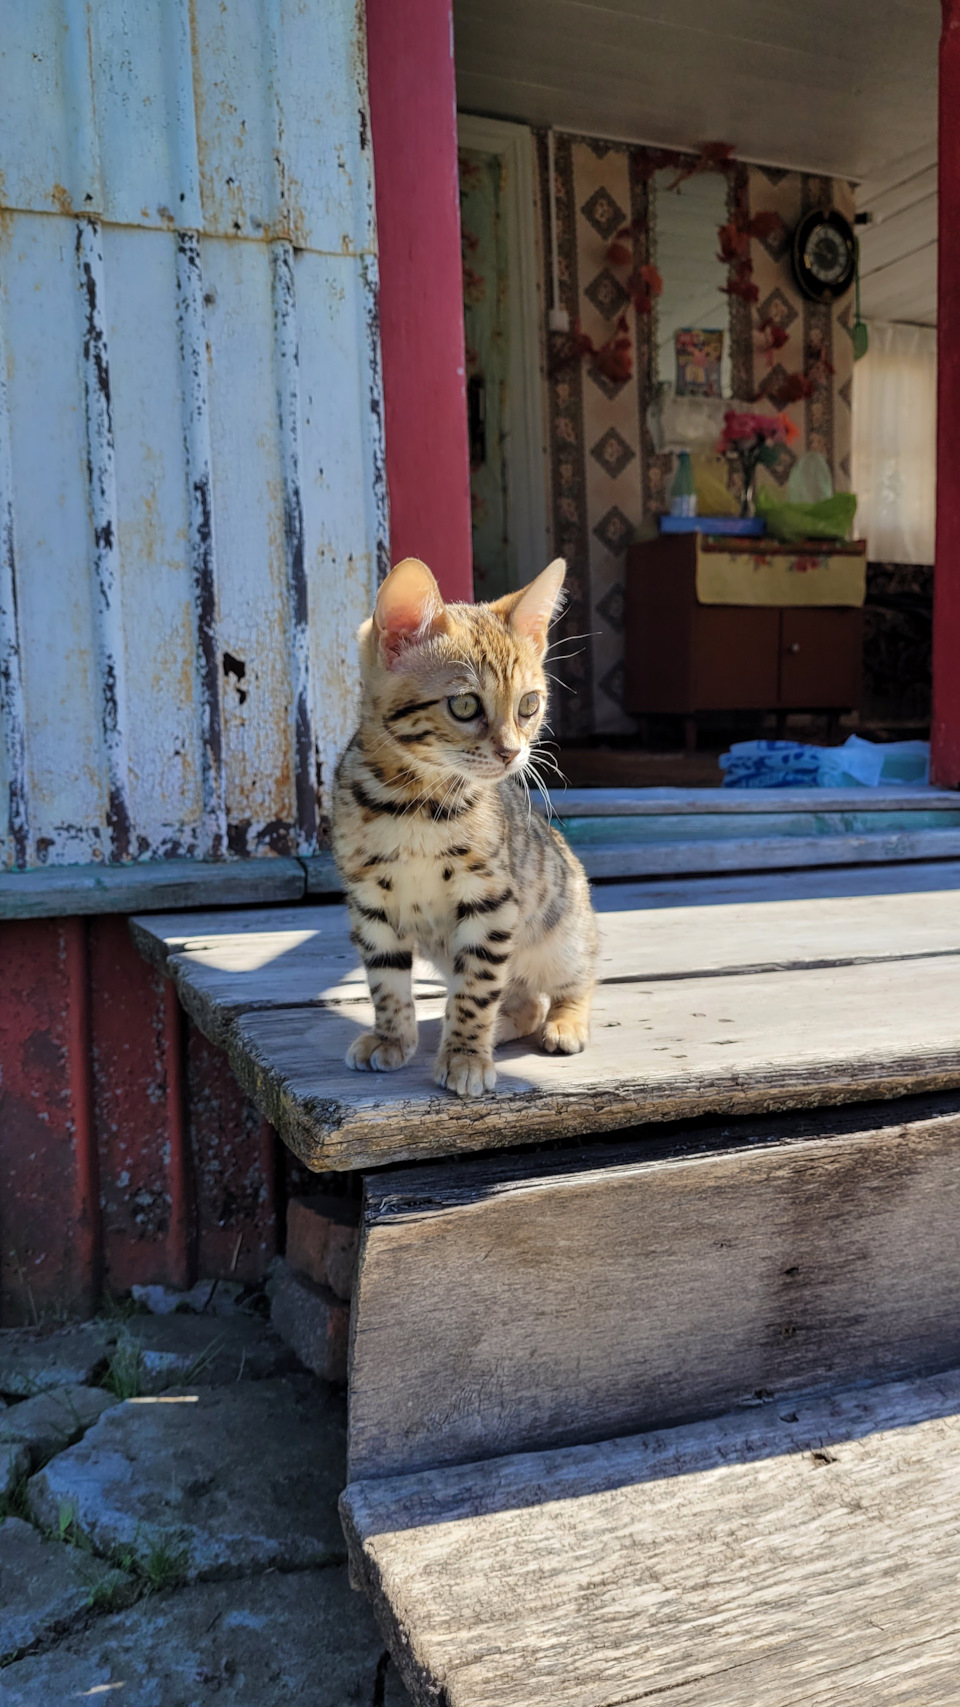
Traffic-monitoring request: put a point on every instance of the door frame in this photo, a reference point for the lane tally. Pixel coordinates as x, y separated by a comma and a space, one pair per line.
526, 449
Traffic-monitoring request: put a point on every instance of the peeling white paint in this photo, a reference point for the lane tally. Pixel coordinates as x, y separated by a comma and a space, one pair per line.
171, 150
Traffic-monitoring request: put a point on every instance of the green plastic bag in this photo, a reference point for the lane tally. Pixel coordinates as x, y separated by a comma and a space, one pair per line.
832, 518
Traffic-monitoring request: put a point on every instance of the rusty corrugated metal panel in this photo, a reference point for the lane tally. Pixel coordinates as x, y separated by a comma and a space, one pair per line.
49, 1232
128, 1153
192, 502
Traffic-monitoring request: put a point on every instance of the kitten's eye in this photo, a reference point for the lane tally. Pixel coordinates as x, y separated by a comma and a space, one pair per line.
464, 707
529, 704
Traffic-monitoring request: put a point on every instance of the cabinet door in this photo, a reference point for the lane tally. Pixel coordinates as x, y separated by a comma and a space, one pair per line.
735, 663
820, 659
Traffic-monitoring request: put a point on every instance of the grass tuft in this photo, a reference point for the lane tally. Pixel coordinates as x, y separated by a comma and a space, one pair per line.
164, 1565
122, 1376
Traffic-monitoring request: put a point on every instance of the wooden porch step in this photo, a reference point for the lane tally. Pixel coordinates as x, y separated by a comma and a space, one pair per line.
651, 832
641, 832
725, 995
515, 1303
802, 1555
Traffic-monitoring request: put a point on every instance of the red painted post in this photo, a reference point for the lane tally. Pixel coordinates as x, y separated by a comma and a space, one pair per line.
945, 724
414, 126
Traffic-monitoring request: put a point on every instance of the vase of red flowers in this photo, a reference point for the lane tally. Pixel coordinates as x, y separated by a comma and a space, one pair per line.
750, 441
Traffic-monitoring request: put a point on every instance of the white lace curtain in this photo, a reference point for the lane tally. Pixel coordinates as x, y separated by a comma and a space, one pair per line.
894, 443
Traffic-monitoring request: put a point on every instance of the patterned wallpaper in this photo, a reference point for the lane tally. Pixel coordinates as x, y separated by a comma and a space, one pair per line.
606, 477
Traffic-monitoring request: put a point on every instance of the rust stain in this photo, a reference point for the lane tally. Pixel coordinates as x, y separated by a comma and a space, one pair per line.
61, 199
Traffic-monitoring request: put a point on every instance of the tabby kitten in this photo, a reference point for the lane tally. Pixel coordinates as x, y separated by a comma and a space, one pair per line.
434, 839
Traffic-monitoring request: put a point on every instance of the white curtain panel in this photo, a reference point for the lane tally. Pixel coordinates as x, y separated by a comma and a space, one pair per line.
895, 443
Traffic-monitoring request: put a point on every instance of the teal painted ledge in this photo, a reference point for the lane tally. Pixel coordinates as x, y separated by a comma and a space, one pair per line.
153, 887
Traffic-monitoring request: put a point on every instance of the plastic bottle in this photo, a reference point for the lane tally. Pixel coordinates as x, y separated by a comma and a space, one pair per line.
683, 493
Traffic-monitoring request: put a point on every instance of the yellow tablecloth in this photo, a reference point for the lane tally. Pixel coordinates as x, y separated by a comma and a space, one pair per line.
778, 577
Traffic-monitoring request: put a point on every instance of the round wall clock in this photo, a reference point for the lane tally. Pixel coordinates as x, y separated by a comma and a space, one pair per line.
824, 255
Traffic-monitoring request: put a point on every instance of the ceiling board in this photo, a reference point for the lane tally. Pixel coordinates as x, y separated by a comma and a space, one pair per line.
845, 89
849, 90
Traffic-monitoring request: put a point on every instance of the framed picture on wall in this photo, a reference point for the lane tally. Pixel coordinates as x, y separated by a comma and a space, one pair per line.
699, 355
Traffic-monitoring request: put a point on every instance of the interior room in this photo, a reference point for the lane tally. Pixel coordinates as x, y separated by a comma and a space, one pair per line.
699, 262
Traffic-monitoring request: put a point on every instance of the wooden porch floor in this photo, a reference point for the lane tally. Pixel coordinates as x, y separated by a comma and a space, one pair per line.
716, 996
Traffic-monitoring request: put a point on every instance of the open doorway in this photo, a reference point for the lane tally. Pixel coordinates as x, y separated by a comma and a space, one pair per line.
503, 353
681, 645
639, 241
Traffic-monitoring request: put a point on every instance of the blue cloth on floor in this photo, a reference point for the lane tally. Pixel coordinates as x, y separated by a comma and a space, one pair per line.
857, 764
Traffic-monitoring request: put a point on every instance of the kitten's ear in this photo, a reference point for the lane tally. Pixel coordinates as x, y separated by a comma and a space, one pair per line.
534, 608
409, 608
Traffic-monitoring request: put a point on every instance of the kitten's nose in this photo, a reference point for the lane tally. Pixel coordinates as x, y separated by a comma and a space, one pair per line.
507, 754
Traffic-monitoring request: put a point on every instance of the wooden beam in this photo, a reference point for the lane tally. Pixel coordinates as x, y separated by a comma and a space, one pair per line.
580, 1295
59, 891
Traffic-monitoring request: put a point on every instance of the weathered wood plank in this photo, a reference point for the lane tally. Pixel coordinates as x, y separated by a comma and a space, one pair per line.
761, 853
652, 802
158, 884
791, 1556
669, 838
294, 956
323, 878
659, 1051
601, 830
507, 1310
229, 963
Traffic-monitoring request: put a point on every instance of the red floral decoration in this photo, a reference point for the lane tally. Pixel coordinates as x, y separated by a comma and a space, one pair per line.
773, 336
614, 359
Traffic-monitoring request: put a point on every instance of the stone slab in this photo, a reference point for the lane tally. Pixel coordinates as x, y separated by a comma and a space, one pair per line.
313, 1321
44, 1587
200, 1351
32, 1362
15, 1463
235, 1479
52, 1421
276, 1640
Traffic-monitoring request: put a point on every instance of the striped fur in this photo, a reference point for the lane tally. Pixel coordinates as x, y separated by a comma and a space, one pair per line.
434, 839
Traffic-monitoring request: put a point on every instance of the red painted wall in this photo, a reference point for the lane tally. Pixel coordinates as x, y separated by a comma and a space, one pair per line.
128, 1152
945, 725
414, 128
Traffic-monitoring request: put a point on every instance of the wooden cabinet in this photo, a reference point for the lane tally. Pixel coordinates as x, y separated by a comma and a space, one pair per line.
684, 656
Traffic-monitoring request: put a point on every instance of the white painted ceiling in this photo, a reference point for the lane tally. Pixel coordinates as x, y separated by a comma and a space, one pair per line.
844, 87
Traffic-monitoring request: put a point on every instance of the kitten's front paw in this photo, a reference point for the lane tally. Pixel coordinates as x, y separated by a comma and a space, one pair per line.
373, 1054
564, 1036
465, 1075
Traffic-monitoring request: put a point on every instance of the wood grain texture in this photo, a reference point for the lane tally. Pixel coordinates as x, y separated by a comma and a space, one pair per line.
687, 1019
749, 802
763, 853
659, 1051
291, 956
506, 1310
604, 829
285, 957
787, 1557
